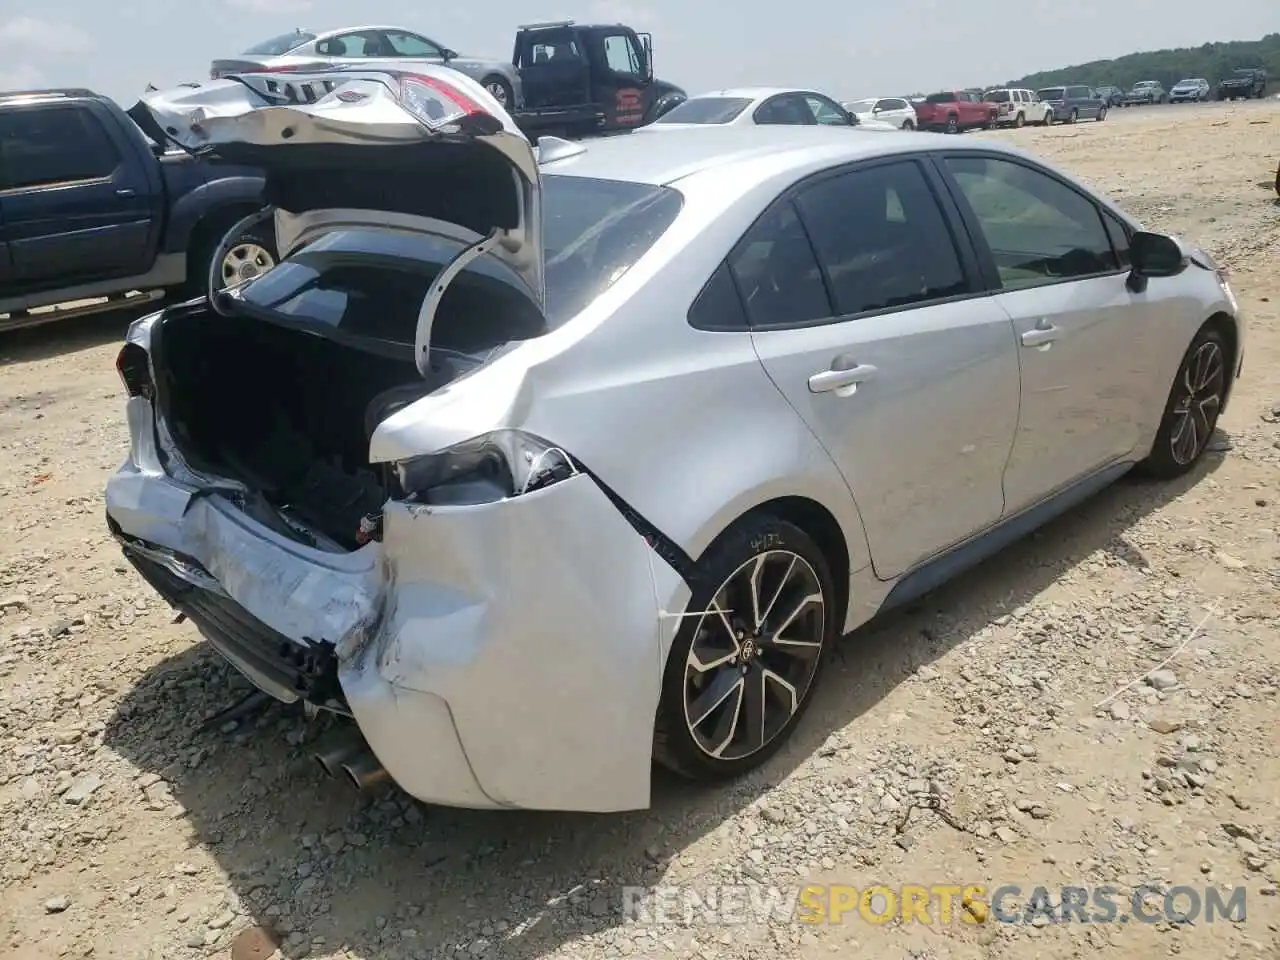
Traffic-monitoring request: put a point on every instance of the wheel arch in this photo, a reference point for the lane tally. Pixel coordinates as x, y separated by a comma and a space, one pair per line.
1228, 327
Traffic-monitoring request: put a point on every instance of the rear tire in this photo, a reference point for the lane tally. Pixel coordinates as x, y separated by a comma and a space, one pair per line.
722, 665
1075, 115
1192, 410
908, 125
953, 124
500, 90
1102, 115
1019, 120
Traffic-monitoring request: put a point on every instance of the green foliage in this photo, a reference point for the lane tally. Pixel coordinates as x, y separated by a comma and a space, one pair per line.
1212, 61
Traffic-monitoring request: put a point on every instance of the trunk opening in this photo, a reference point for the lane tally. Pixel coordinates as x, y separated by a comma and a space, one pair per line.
289, 412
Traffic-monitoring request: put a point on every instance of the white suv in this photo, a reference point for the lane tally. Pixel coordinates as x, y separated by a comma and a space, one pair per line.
892, 110
1018, 107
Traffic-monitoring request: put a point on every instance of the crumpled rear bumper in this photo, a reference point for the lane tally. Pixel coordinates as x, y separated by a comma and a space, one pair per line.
501, 655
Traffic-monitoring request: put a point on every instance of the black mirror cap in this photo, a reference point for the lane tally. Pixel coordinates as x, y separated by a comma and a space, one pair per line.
1156, 255
449, 54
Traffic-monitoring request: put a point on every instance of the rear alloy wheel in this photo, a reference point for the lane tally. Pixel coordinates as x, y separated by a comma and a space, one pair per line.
1191, 413
741, 673
1048, 118
1102, 114
500, 90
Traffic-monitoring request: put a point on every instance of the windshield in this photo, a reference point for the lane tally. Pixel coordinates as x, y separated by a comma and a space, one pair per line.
1052, 93
996, 96
1145, 84
861, 106
369, 284
1243, 73
279, 45
1188, 83
940, 98
706, 110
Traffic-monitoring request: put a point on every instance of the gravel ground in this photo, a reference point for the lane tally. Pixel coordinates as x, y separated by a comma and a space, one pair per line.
967, 740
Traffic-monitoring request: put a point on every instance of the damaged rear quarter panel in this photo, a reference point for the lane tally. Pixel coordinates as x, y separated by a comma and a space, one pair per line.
535, 619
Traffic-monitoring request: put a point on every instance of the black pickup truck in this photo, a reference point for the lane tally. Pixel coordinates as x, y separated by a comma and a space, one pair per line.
582, 80
94, 215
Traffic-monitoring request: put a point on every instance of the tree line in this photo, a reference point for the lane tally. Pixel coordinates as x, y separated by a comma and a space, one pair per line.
1212, 61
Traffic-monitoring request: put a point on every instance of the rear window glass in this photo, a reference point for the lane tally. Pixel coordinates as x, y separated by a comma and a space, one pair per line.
279, 45
940, 98
706, 110
369, 285
996, 96
1052, 93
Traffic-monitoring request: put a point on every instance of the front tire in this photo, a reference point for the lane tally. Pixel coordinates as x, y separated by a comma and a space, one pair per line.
1019, 120
1102, 115
740, 675
1192, 410
1075, 115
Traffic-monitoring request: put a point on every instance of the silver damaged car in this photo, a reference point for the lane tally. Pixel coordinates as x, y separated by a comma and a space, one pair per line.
539, 465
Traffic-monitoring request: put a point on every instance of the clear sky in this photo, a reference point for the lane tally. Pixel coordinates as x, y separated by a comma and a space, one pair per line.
847, 49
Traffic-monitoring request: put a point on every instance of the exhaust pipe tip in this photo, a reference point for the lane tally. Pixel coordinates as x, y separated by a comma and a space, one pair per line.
364, 771
332, 758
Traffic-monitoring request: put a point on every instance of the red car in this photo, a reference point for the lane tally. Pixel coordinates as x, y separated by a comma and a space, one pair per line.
954, 111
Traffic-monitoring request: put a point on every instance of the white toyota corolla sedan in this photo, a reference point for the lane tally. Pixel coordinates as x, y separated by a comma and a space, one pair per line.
539, 466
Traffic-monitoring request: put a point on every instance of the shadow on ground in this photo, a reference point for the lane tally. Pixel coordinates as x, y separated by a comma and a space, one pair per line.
308, 855
61, 337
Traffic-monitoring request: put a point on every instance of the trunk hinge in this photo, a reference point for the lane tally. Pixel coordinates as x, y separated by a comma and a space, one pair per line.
427, 315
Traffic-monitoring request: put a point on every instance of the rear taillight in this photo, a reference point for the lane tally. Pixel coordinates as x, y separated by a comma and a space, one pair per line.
134, 367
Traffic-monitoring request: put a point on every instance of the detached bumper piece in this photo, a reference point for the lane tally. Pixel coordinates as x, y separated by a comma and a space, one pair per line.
287, 670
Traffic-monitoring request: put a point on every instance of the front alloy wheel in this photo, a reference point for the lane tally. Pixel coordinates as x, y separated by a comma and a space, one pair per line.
1191, 413
741, 672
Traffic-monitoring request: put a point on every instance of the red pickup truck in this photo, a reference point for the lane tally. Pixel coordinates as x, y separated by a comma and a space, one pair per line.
954, 111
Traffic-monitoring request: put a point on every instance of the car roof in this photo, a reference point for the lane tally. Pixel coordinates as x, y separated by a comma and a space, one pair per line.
751, 93
322, 34
663, 158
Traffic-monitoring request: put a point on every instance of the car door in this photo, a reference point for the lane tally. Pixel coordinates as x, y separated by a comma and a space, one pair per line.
892, 110
867, 312
621, 85
77, 205
1081, 330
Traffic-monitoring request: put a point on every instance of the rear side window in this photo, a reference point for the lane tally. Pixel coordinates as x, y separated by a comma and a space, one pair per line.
40, 147
718, 306
279, 45
776, 271
1052, 93
882, 239
706, 110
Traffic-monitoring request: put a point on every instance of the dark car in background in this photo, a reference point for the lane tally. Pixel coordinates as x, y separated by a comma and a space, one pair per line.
1074, 102
1113, 96
1243, 83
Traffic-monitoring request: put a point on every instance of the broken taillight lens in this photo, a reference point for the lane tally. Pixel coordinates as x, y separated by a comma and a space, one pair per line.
494, 466
134, 367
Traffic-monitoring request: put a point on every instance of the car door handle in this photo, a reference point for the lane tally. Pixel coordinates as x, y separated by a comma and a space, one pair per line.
1040, 336
125, 192
829, 380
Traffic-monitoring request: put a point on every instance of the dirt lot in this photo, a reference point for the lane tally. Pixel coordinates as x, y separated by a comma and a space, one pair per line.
961, 742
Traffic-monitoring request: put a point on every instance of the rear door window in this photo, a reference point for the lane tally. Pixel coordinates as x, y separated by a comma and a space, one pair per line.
882, 239
52, 145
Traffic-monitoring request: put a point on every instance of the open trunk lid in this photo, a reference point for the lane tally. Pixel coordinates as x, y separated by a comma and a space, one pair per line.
430, 143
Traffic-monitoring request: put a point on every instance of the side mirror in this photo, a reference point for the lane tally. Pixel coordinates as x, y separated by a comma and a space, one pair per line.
646, 41
449, 54
1154, 255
